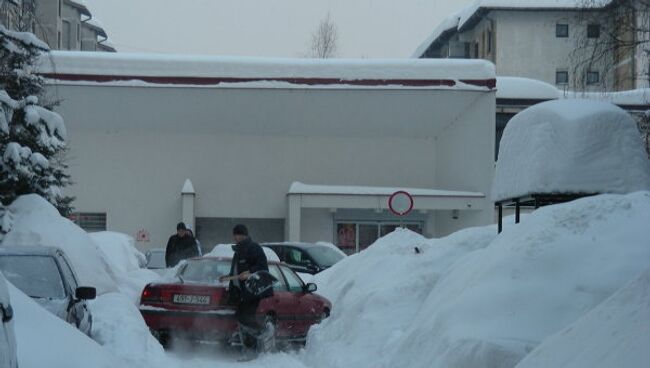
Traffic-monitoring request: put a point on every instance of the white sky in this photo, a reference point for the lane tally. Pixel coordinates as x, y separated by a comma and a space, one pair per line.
281, 28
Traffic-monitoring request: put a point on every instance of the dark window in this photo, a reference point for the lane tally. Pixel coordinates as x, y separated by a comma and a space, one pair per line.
561, 77
293, 281
593, 31
476, 50
562, 30
89, 221
593, 77
489, 41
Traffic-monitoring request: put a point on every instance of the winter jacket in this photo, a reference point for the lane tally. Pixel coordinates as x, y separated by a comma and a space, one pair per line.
249, 256
180, 248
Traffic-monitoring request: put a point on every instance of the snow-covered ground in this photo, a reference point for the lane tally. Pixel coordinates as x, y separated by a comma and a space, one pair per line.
567, 287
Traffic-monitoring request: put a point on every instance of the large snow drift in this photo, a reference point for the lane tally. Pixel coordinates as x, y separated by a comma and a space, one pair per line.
475, 299
119, 250
614, 334
571, 146
34, 221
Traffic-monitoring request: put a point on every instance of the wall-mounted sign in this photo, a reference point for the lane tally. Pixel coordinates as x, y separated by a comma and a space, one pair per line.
400, 203
142, 236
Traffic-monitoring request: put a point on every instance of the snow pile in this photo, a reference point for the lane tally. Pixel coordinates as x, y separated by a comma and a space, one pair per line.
526, 88
119, 250
614, 334
225, 250
7, 335
44, 340
377, 293
475, 299
571, 146
34, 221
119, 327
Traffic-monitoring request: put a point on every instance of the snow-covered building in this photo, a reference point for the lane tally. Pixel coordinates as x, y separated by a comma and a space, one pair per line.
550, 41
247, 132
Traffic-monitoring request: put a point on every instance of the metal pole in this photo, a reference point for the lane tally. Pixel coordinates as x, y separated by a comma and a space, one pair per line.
500, 217
517, 211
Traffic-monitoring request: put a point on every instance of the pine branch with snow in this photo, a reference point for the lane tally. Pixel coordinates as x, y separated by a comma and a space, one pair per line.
32, 137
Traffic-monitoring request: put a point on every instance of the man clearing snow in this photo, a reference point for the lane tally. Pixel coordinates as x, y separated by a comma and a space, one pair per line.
248, 259
180, 246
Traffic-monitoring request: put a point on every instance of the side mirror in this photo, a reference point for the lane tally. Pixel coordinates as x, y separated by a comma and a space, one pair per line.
85, 293
7, 313
311, 287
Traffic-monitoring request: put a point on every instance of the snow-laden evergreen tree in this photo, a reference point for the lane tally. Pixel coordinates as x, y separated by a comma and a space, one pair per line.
32, 137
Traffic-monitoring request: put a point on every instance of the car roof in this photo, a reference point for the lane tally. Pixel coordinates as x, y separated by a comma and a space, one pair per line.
293, 244
29, 250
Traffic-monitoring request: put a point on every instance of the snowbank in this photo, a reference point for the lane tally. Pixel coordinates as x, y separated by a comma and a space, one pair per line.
475, 299
496, 304
34, 221
119, 327
377, 293
571, 146
119, 250
225, 250
614, 334
46, 341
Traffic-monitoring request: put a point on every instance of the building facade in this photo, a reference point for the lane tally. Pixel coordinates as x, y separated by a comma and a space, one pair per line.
62, 24
552, 43
248, 132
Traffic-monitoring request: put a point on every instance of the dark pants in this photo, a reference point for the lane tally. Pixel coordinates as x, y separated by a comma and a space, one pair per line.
246, 316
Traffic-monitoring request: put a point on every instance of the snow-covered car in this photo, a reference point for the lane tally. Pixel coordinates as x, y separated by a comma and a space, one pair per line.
197, 307
44, 273
309, 258
7, 338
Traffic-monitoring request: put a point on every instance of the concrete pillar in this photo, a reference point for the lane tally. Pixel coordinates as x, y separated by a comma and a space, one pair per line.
293, 218
187, 197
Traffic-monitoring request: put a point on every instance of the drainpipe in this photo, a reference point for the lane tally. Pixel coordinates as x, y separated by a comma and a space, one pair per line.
188, 196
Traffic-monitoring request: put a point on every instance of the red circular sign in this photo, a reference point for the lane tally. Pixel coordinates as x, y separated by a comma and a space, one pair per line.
400, 203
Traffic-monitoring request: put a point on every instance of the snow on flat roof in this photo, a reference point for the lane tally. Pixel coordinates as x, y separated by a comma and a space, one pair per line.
301, 188
637, 97
570, 146
161, 65
525, 88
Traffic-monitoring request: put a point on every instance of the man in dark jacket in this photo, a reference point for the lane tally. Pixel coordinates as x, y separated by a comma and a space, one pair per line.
180, 246
249, 258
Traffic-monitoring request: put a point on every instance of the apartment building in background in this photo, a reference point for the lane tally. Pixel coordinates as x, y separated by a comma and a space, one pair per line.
62, 24
564, 43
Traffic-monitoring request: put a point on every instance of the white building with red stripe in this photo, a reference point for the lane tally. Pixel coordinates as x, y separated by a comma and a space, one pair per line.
247, 132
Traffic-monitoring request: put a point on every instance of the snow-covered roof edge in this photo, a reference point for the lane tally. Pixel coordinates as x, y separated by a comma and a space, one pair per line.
473, 11
301, 188
128, 66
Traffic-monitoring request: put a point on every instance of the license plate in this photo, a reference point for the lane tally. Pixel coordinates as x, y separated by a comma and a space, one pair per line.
191, 299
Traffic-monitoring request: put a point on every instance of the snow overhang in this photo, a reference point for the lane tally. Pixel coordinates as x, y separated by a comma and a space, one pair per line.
64, 66
80, 6
376, 198
96, 26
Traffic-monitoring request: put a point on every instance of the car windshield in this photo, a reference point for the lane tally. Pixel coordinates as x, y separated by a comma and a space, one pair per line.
204, 270
156, 259
324, 256
36, 276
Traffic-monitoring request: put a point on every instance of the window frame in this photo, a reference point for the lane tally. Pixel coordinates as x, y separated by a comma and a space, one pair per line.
558, 30
592, 73
590, 28
557, 81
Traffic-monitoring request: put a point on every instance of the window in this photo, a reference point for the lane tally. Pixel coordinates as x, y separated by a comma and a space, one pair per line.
593, 31
561, 30
67, 35
36, 276
90, 222
294, 282
68, 274
561, 77
78, 34
489, 41
297, 257
278, 285
354, 237
593, 77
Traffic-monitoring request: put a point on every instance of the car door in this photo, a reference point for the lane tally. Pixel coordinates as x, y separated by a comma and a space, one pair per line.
280, 303
303, 313
79, 314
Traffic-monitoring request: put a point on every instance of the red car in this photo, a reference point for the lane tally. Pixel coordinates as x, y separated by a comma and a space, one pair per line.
196, 307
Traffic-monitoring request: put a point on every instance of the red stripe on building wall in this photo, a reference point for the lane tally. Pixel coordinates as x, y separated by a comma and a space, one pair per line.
207, 81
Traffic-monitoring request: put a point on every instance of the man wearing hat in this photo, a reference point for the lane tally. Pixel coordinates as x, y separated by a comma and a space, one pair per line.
249, 258
180, 246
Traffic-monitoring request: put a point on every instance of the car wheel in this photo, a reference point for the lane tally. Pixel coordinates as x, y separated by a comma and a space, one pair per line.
267, 339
